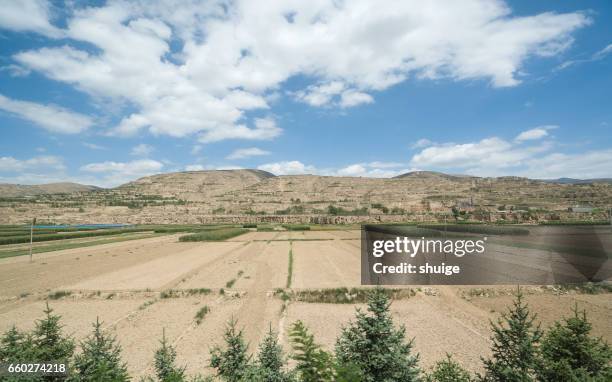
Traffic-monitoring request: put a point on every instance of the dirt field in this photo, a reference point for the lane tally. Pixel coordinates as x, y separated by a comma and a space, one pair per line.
122, 284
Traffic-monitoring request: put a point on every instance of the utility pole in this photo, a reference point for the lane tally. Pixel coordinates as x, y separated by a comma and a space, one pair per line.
32, 237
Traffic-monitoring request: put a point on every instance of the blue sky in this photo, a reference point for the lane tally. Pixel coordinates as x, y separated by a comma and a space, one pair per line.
106, 92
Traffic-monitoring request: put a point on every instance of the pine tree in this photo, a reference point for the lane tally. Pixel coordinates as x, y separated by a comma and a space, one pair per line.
48, 340
569, 354
100, 358
233, 362
375, 346
448, 370
16, 346
313, 363
270, 360
165, 367
515, 340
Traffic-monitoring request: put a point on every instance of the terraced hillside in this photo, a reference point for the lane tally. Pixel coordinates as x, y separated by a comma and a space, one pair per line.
238, 196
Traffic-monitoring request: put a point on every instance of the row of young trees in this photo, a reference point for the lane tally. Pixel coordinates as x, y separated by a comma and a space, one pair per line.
369, 349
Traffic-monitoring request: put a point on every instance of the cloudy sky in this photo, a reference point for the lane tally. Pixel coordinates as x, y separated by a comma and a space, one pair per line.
106, 92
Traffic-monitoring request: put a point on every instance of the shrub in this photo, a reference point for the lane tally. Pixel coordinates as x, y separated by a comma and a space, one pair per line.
249, 225
201, 314
59, 294
345, 295
313, 363
215, 235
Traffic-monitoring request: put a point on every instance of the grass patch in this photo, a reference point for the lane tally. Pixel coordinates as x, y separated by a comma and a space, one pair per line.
147, 304
59, 294
584, 288
62, 246
38, 237
201, 314
265, 229
575, 222
478, 228
214, 235
249, 225
176, 293
340, 295
296, 227
290, 268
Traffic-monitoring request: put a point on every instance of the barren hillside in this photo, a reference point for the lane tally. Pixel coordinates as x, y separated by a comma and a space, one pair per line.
235, 196
16, 190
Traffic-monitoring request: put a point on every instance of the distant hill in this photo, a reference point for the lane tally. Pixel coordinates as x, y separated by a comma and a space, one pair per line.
578, 181
237, 196
195, 185
431, 175
14, 190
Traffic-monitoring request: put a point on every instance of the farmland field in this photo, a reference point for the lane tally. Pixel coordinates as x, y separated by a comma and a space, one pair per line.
141, 287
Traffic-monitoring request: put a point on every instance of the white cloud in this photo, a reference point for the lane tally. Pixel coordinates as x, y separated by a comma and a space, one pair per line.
27, 16
587, 165
372, 169
488, 156
52, 118
353, 98
348, 49
116, 173
320, 95
333, 93
293, 167
194, 167
423, 142
142, 150
378, 164
247, 153
599, 55
93, 146
47, 162
265, 129
16, 70
498, 157
535, 133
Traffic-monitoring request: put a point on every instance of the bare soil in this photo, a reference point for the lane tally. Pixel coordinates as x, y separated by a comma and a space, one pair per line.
131, 275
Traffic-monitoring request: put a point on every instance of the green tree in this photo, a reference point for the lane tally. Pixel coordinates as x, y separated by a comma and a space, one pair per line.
448, 370
16, 346
233, 362
569, 353
515, 340
313, 363
270, 360
165, 367
100, 358
49, 341
375, 346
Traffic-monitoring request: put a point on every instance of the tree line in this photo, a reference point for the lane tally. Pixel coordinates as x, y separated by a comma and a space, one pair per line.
371, 348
